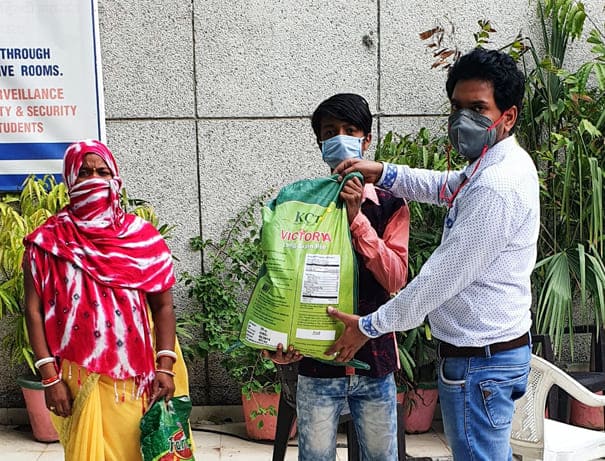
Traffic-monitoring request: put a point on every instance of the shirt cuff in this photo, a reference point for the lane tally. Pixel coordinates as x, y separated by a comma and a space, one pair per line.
389, 174
366, 327
359, 226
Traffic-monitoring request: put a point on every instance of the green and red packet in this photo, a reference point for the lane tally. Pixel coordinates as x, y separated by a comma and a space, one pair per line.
165, 432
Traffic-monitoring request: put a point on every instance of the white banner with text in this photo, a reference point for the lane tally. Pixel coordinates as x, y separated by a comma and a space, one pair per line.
51, 88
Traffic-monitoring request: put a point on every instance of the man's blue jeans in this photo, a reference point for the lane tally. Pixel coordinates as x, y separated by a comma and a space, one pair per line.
373, 406
477, 397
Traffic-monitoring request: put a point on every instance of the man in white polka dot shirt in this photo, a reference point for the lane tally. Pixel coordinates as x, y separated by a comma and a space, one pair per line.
475, 287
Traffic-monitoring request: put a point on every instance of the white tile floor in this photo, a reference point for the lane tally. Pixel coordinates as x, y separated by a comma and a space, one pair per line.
17, 444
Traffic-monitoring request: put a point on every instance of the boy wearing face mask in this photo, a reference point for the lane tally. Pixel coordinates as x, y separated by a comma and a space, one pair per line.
475, 288
379, 233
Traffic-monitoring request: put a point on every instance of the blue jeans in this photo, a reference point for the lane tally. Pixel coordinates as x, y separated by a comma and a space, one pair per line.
373, 406
477, 397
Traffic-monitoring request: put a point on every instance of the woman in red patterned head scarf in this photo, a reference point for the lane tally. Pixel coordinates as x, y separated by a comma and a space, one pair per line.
90, 273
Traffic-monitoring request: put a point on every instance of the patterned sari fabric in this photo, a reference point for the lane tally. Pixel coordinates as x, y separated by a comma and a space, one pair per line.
91, 433
92, 266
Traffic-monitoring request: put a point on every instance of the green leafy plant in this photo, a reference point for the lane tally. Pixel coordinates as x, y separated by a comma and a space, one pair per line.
20, 214
222, 290
445, 49
271, 411
562, 127
417, 354
417, 378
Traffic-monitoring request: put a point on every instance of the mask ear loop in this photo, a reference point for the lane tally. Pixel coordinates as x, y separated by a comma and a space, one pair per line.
497, 122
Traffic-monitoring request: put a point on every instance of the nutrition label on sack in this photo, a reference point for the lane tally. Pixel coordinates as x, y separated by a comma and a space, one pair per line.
258, 334
321, 279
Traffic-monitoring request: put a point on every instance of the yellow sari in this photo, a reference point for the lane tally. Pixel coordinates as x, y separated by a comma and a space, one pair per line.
104, 425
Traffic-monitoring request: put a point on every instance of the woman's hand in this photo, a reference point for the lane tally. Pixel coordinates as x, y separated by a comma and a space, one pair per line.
281, 358
58, 399
162, 387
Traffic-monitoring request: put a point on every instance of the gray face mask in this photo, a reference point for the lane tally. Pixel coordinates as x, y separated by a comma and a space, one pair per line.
471, 133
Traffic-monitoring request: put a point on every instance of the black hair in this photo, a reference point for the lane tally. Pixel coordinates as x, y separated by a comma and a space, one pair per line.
492, 66
349, 107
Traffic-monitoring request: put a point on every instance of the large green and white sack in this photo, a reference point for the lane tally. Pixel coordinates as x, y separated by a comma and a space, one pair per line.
309, 264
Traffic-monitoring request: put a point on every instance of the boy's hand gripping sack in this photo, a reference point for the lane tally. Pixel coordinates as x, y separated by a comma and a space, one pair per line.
309, 264
165, 433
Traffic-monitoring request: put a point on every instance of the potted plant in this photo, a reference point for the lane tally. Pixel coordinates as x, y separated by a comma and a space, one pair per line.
260, 387
20, 214
417, 379
231, 267
563, 124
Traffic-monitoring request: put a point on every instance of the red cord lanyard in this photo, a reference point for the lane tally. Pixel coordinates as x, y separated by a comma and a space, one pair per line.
443, 193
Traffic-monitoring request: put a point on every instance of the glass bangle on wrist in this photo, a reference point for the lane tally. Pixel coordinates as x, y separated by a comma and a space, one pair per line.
165, 353
166, 372
43, 361
51, 381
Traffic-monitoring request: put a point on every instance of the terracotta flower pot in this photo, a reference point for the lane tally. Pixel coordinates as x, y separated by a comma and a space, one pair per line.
39, 416
585, 416
260, 415
419, 405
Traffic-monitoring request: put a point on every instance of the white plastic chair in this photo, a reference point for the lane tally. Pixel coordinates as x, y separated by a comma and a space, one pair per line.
535, 437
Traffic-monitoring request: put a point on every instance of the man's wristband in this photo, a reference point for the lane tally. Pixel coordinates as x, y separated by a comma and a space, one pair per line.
389, 174
366, 327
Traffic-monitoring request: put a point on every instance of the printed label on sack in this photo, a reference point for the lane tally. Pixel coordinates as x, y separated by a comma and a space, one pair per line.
321, 279
319, 335
263, 336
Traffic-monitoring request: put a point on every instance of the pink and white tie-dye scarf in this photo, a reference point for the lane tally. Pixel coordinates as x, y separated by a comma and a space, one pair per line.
92, 265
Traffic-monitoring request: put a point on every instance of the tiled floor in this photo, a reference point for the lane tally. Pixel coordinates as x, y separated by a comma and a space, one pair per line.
212, 444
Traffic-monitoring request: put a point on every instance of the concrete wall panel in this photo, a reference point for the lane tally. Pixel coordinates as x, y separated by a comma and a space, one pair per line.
147, 52
278, 58
158, 164
411, 125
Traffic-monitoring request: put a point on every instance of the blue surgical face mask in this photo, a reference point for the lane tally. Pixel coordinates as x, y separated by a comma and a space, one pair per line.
341, 147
